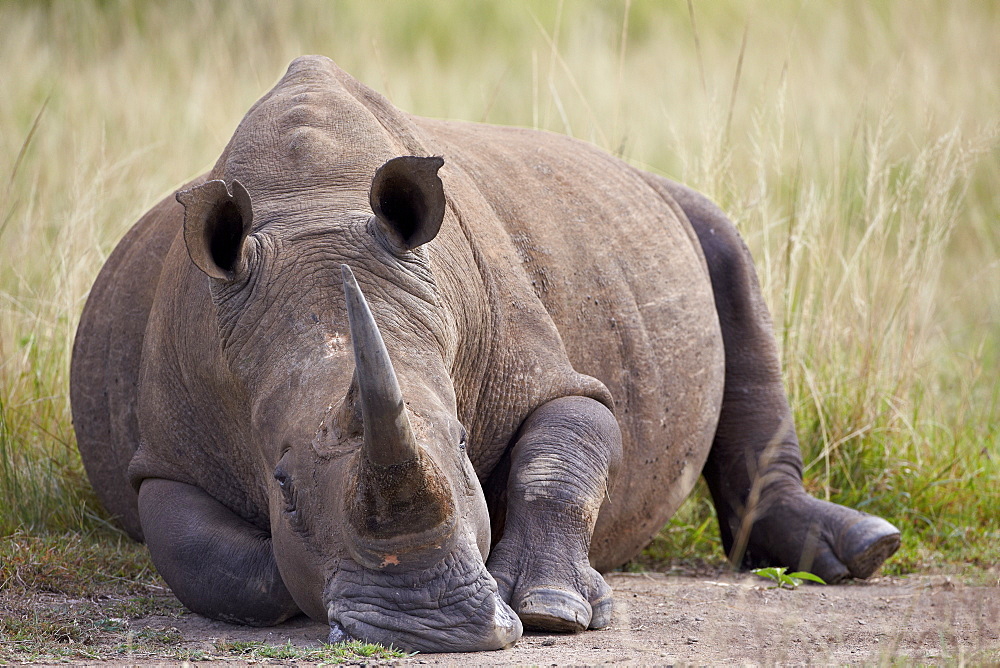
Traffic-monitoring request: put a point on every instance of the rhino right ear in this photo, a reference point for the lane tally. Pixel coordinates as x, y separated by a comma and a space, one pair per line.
217, 220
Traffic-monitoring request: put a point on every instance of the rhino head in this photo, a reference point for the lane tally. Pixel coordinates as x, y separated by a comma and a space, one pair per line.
378, 522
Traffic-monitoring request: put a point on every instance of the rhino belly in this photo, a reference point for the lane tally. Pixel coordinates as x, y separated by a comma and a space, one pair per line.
620, 272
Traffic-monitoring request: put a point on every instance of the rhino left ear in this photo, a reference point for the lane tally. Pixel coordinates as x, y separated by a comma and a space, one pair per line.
407, 198
217, 220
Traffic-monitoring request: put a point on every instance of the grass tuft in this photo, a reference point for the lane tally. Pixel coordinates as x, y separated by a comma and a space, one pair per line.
74, 565
342, 653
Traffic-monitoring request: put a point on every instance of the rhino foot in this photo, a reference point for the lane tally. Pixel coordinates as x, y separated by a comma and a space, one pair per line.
565, 454
866, 544
829, 540
562, 611
554, 610
564, 600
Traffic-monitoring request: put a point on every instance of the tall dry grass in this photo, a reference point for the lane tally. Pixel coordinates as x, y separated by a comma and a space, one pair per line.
855, 145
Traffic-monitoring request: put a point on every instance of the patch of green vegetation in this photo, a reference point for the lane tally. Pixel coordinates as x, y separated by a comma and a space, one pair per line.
83, 631
79, 565
37, 627
34, 628
72, 596
340, 653
785, 580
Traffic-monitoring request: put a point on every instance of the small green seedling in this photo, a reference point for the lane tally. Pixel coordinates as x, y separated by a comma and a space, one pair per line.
786, 580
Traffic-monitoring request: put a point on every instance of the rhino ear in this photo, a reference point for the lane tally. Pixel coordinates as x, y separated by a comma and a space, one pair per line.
217, 220
407, 198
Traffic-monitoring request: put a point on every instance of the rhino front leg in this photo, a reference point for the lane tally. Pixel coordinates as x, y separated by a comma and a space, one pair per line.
217, 563
565, 454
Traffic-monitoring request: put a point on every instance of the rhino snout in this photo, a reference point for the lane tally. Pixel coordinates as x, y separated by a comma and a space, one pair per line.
498, 628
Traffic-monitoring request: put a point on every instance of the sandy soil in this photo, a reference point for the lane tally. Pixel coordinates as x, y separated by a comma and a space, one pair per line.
726, 618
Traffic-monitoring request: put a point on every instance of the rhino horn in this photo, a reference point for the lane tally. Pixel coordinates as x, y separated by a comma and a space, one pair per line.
388, 437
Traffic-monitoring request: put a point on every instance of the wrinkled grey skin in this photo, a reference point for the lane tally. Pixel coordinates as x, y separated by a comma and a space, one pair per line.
568, 343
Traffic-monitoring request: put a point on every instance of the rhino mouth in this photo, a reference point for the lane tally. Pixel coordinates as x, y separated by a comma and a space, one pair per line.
454, 607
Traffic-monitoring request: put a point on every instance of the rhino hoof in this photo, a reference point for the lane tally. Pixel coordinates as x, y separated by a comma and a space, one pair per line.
556, 610
866, 544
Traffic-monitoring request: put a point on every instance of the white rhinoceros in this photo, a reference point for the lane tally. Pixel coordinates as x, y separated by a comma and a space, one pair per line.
550, 346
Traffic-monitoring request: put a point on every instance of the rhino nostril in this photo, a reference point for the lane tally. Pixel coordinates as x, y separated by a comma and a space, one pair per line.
337, 634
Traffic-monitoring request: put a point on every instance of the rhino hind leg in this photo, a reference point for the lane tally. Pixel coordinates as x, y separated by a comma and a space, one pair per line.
754, 469
560, 466
216, 563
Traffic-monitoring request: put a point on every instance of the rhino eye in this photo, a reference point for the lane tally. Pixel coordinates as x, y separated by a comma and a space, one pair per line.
463, 439
289, 498
285, 485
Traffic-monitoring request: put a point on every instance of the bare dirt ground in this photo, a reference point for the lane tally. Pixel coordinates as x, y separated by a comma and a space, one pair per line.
723, 619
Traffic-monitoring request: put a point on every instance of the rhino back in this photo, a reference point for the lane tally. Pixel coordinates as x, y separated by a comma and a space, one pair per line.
107, 352
620, 272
